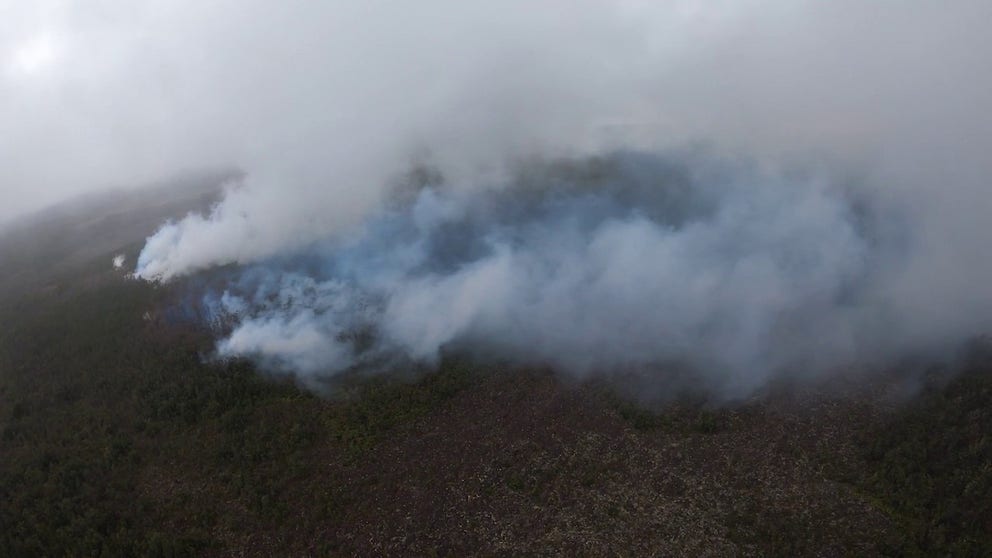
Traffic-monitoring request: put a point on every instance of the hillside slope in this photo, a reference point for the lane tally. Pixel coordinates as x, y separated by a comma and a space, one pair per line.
117, 438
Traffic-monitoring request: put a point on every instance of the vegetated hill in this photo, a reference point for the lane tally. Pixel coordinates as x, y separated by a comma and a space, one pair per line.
117, 438
74, 238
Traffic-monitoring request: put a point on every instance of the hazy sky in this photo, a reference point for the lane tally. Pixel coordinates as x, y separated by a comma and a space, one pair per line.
323, 96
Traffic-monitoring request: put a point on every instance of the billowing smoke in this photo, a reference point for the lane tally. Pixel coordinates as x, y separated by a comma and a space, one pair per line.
837, 214
630, 262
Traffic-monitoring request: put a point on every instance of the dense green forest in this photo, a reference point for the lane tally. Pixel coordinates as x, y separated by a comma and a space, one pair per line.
119, 438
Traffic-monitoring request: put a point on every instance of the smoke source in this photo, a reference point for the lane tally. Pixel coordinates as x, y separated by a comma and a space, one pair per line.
837, 215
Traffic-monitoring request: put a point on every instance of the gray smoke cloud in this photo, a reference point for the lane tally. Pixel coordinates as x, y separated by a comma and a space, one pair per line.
625, 262
656, 266
856, 230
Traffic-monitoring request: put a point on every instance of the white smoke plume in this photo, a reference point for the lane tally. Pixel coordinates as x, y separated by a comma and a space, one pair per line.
857, 230
623, 262
630, 262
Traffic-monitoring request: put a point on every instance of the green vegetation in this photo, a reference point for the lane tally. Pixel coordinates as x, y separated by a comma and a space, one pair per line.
931, 466
927, 465
117, 438
95, 400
